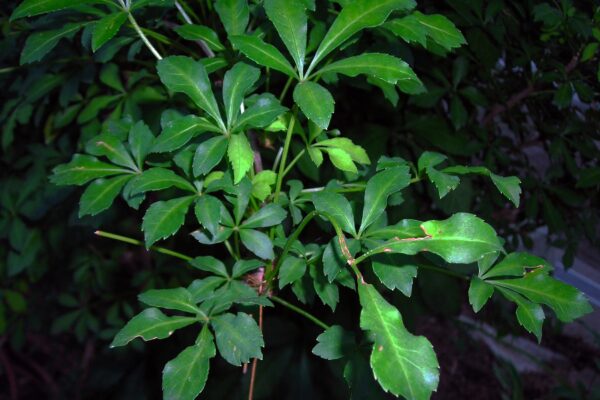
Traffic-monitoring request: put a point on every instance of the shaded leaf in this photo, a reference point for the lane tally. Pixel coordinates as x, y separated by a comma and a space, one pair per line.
334, 343
258, 243
106, 28
238, 338
100, 194
234, 15
262, 53
337, 207
82, 169
290, 21
292, 269
185, 75
150, 324
236, 84
315, 102
173, 299
209, 154
164, 218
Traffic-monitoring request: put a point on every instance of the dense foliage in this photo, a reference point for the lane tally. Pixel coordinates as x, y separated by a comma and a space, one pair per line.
299, 156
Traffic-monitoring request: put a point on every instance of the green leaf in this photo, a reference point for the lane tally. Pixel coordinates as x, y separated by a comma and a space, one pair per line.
97, 104
460, 239
334, 343
106, 28
150, 324
441, 30
141, 141
383, 66
177, 132
82, 169
327, 292
31, 8
202, 289
208, 154
262, 113
100, 194
292, 269
408, 29
238, 338
516, 264
184, 376
444, 183
164, 218
567, 302
354, 17
315, 102
337, 207
208, 213
258, 243
290, 21
430, 159
479, 293
341, 159
403, 364
200, 32
237, 83
530, 315
172, 299
210, 264
242, 267
39, 44
184, 75
234, 15
214, 64
357, 153
262, 53
262, 183
158, 179
379, 188
111, 147
269, 215
509, 186
395, 272
240, 156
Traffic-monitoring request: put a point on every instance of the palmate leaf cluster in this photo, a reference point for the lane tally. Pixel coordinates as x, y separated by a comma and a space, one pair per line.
196, 172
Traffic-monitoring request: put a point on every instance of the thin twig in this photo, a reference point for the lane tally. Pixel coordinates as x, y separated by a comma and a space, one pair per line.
260, 326
136, 242
300, 311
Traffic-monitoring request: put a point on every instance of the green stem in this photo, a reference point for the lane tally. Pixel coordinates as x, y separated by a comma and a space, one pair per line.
300, 311
346, 188
142, 35
136, 242
293, 162
286, 149
230, 249
285, 89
